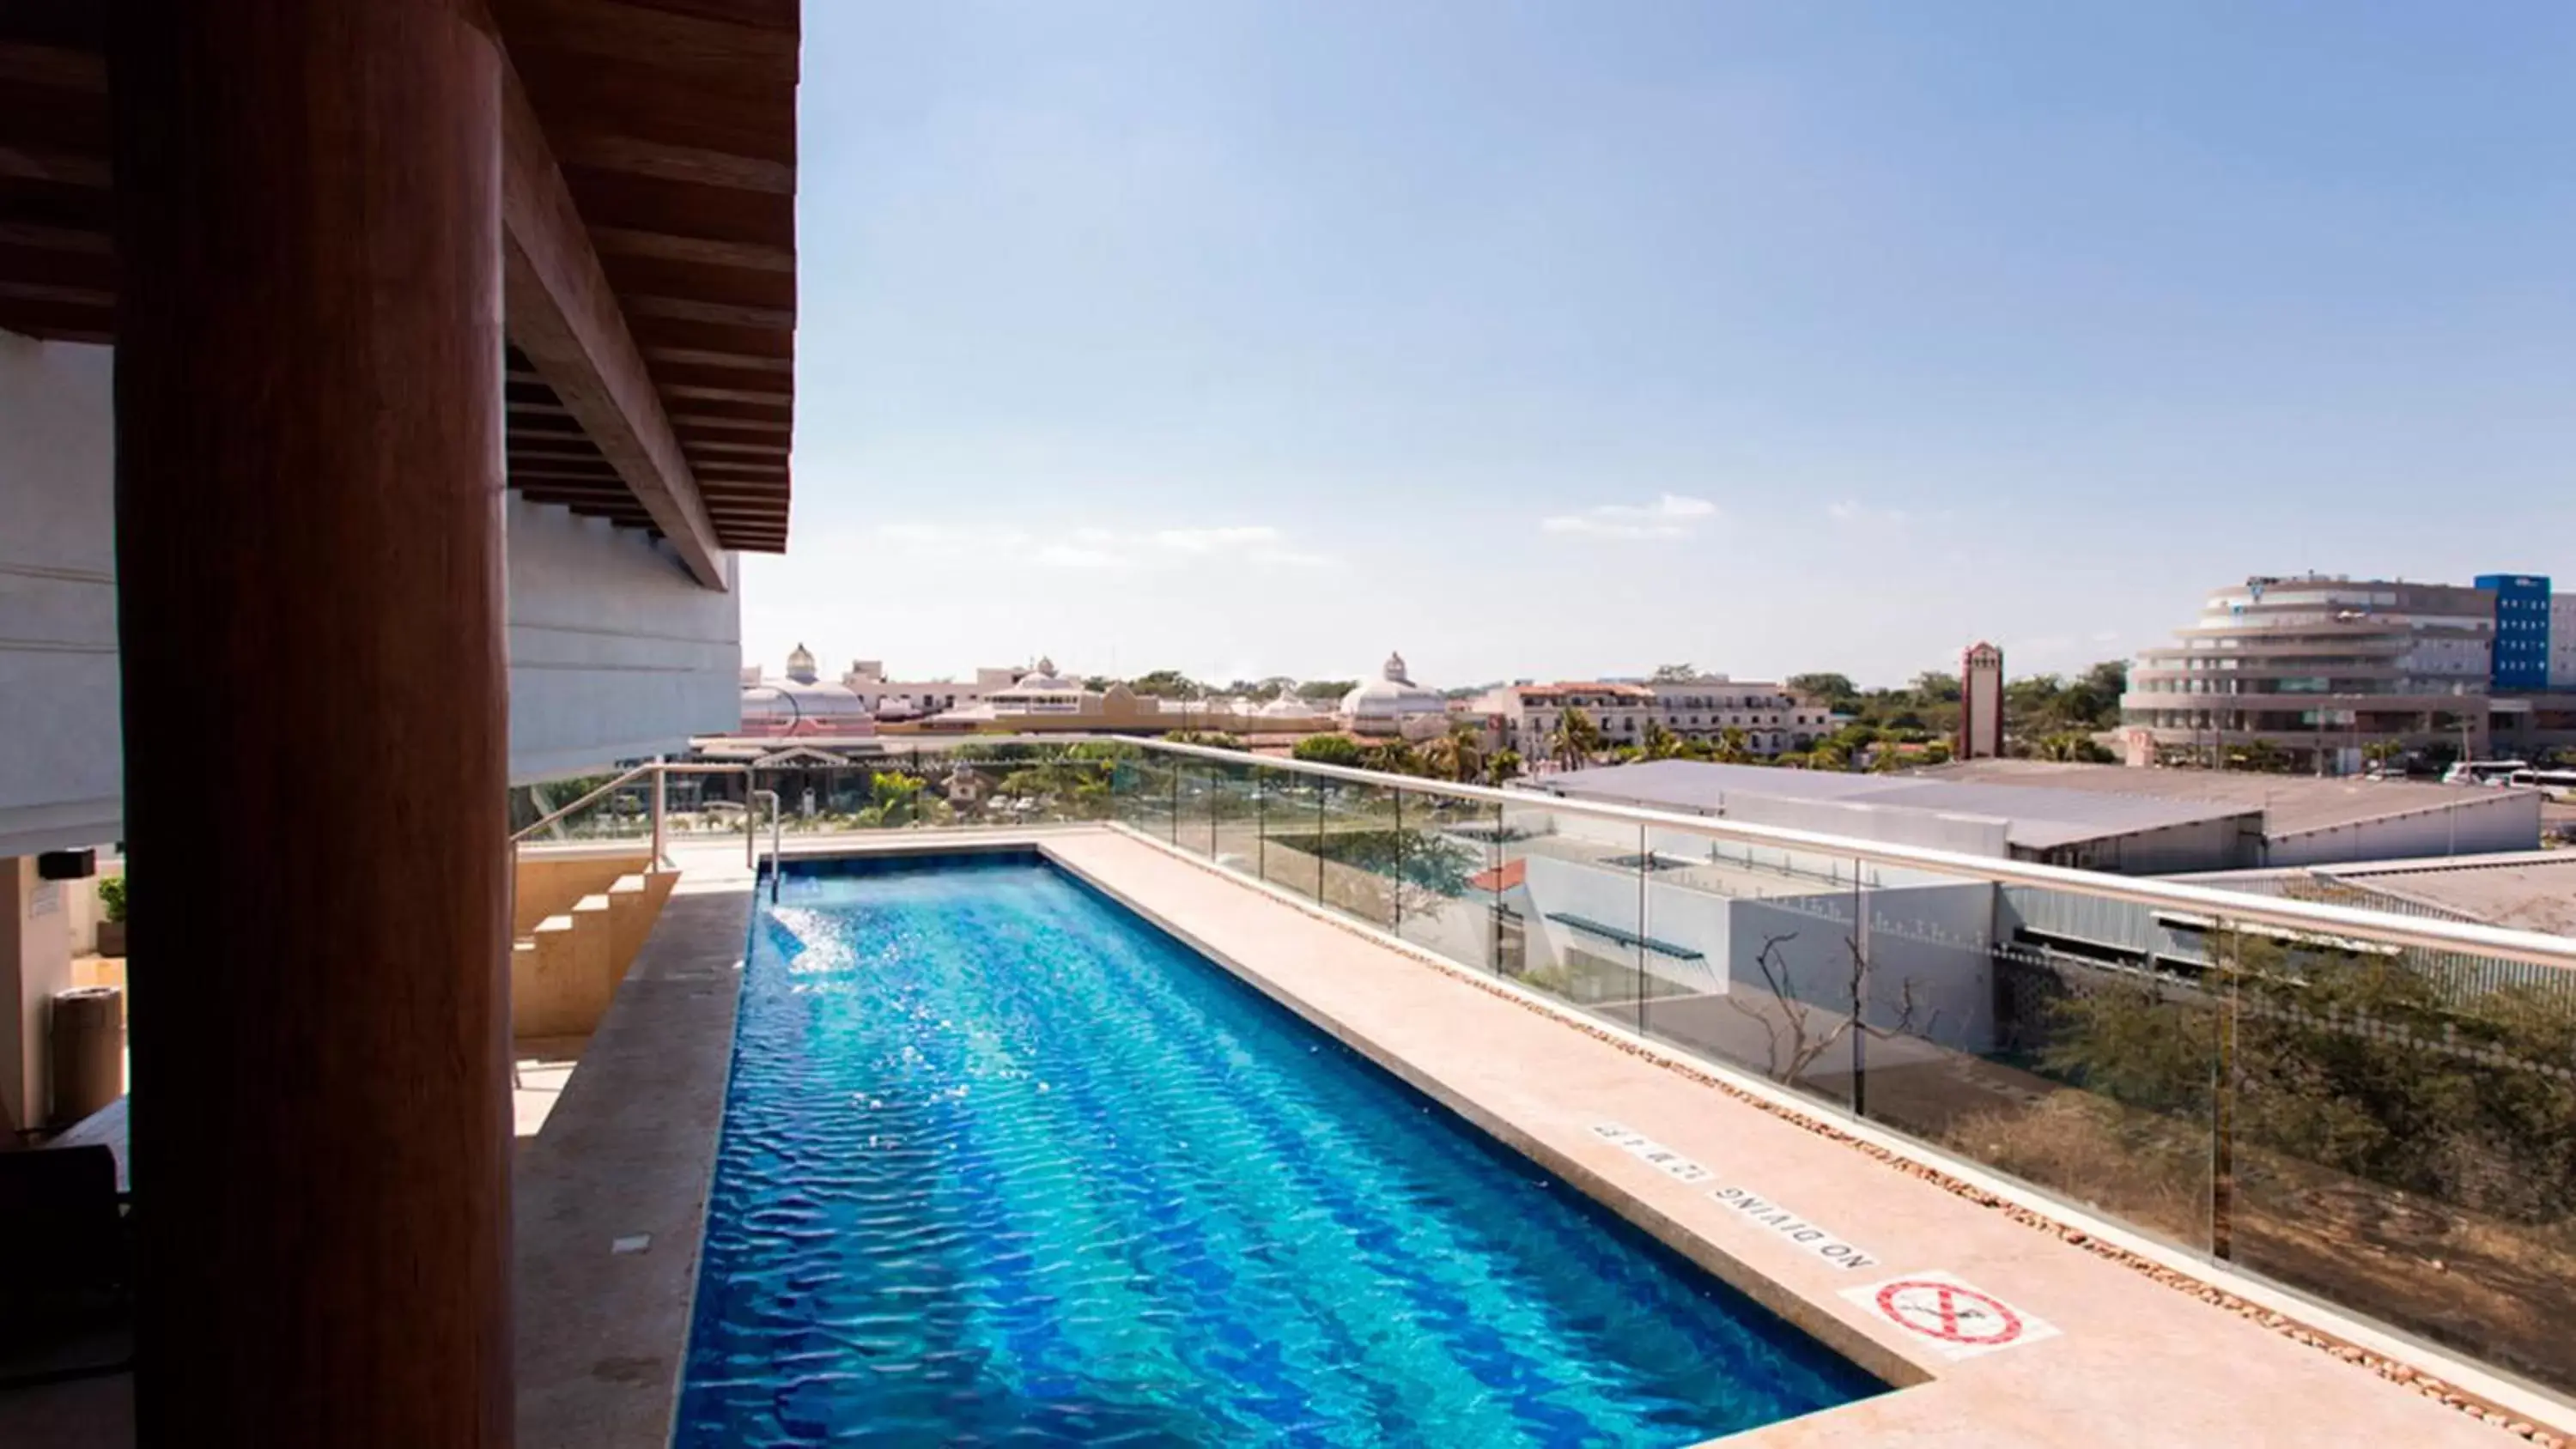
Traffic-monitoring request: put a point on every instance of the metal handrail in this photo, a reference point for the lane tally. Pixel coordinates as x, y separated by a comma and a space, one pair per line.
751, 834
2533, 947
551, 816
649, 767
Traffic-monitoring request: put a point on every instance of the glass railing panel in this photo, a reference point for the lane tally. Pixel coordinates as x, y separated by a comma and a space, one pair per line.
1193, 801
1361, 847
2067, 1039
2400, 1137
1290, 814
1750, 959
624, 813
1149, 792
1448, 845
1566, 909
698, 804
1234, 816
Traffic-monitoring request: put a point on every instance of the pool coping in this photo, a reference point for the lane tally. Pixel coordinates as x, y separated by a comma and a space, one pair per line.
601, 1322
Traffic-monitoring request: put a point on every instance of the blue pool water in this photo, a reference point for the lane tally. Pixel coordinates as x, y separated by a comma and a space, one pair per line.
1003, 1163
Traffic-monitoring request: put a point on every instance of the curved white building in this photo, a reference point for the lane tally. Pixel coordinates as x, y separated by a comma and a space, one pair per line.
803, 705
1383, 706
1042, 691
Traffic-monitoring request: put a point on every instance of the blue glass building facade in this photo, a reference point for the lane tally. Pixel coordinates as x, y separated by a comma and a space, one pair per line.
2522, 630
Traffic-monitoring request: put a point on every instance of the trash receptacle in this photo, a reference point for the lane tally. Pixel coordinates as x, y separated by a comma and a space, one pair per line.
88, 1041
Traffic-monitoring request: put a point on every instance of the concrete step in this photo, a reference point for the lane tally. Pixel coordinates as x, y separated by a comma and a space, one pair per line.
559, 985
565, 968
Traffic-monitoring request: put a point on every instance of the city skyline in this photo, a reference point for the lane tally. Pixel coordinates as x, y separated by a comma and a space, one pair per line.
1237, 340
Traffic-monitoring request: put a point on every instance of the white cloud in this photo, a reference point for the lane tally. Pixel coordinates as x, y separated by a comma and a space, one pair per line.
1669, 516
1076, 556
1211, 540
1092, 546
1863, 515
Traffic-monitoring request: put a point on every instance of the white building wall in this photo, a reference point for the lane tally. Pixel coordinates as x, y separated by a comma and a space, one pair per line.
2562, 641
2482, 821
614, 651
60, 760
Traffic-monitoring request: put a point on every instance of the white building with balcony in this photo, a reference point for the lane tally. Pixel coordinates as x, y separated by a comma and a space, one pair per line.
1522, 716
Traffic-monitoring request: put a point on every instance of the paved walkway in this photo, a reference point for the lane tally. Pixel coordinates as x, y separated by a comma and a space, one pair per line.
610, 1197
2103, 1354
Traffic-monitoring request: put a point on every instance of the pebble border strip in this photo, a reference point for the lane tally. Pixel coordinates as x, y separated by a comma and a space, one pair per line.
2387, 1368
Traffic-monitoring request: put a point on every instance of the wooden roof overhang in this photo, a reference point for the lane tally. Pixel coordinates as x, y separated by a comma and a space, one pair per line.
649, 214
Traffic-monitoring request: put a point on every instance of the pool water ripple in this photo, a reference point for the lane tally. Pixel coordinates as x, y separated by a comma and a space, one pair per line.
1003, 1164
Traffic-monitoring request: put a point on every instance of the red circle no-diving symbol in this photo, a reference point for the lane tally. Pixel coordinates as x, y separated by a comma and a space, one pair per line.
1949, 1313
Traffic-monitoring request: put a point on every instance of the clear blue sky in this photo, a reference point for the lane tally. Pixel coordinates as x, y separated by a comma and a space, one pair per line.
1572, 338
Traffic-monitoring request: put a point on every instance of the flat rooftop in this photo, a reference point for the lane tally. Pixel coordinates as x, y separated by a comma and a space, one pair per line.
2526, 890
2036, 815
2291, 804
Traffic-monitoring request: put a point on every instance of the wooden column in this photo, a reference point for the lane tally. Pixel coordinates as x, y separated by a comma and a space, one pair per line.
308, 398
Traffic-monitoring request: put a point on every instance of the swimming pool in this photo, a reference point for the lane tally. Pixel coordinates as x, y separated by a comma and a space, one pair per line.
1002, 1161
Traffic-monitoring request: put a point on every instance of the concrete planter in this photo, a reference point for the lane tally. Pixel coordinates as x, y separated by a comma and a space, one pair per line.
111, 938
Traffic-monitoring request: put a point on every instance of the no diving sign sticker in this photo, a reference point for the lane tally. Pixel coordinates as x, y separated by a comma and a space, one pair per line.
1958, 1321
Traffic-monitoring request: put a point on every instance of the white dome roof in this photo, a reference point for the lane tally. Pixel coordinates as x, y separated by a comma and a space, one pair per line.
1288, 706
786, 701
1392, 696
1045, 677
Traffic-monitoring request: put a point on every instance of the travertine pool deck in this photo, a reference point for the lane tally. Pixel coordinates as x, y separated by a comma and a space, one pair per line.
630, 1146
627, 1152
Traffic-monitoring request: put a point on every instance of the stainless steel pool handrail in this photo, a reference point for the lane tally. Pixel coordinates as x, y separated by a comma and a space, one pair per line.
751, 835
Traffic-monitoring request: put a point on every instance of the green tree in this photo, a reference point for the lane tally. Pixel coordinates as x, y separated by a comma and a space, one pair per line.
2072, 746
1734, 746
1326, 690
1390, 757
1675, 673
1327, 750
1575, 740
1166, 684
1212, 739
1503, 766
1659, 743
1456, 755
1833, 689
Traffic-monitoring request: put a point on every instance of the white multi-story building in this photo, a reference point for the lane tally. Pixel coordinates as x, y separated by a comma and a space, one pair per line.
1522, 716
2318, 666
897, 699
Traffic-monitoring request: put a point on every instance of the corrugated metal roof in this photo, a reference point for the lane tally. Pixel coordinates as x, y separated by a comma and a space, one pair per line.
2291, 804
2526, 890
2035, 817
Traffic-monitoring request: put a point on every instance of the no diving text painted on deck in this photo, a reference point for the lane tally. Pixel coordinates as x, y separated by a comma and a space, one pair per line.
1646, 1149
1795, 1228
1958, 1321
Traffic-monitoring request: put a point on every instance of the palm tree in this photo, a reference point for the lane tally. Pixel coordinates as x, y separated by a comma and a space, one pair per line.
1456, 755
1660, 743
1503, 765
1734, 747
1394, 757
1575, 740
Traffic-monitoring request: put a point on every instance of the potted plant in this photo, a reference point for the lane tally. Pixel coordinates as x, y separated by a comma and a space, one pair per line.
111, 925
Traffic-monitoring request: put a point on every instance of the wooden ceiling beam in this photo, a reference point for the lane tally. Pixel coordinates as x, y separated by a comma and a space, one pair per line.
562, 314
730, 361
